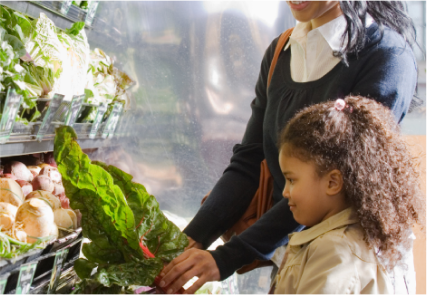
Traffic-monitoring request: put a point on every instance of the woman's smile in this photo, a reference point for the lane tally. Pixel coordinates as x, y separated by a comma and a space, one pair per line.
298, 5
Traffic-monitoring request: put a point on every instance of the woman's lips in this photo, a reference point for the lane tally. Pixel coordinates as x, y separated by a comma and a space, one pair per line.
298, 5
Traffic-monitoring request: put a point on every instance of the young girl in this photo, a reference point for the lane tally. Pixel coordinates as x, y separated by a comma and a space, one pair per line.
351, 180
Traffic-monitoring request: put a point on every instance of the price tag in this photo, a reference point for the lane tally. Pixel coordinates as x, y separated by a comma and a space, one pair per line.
26, 275
10, 109
50, 113
56, 270
102, 108
93, 5
76, 104
112, 120
65, 6
3, 282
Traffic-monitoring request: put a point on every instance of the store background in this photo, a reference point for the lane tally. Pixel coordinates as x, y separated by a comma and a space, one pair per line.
195, 65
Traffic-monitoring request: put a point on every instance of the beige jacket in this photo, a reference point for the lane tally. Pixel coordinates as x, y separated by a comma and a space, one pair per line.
332, 257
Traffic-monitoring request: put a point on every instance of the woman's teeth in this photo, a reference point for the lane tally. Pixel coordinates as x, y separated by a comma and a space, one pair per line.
296, 2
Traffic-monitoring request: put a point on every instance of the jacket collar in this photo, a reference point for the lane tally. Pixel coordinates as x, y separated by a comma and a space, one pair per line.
341, 219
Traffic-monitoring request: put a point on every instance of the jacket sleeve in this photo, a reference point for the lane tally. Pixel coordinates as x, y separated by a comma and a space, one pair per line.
233, 192
390, 76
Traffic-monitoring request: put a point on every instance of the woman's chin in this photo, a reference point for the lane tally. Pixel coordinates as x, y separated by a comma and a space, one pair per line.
301, 17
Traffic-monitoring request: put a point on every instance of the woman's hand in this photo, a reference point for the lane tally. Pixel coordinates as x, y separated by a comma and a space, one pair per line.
193, 244
193, 262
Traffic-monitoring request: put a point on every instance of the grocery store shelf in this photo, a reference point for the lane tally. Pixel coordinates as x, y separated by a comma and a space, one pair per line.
49, 8
33, 10
26, 147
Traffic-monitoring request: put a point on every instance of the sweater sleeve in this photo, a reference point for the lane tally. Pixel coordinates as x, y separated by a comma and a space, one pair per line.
233, 192
257, 242
390, 76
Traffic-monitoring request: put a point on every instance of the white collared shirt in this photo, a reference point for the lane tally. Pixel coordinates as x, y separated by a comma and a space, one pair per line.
312, 50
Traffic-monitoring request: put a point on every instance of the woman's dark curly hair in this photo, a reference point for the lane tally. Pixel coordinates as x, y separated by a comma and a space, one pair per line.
380, 176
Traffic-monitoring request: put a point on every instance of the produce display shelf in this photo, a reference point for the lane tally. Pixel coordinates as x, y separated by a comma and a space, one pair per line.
33, 10
47, 265
19, 146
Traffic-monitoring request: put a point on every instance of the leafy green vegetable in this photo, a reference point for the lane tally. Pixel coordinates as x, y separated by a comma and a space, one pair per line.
107, 83
75, 28
130, 237
92, 190
44, 47
11, 248
155, 231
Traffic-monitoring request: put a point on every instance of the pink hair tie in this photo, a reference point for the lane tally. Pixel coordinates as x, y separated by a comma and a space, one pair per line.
340, 105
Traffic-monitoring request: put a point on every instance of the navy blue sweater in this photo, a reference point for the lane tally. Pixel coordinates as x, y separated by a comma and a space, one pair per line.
384, 70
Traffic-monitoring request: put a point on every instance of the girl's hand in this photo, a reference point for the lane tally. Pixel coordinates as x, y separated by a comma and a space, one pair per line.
191, 263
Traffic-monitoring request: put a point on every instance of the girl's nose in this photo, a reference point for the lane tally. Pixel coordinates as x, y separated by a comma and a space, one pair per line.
286, 192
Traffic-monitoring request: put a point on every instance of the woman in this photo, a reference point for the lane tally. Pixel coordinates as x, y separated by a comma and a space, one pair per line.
336, 49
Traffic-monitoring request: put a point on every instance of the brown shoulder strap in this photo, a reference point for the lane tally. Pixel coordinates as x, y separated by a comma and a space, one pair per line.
279, 47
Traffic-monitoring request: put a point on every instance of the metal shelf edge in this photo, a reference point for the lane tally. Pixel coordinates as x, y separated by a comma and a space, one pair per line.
18, 148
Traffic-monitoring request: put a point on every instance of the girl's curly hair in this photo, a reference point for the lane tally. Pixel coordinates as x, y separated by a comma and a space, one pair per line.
380, 176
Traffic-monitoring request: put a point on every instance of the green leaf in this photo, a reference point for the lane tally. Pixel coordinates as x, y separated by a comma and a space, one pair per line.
75, 28
83, 268
92, 187
142, 273
16, 44
99, 254
11, 248
125, 232
163, 238
24, 24
88, 93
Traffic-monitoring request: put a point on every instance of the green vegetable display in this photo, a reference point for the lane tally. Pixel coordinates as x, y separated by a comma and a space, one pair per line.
11, 248
130, 237
15, 30
34, 56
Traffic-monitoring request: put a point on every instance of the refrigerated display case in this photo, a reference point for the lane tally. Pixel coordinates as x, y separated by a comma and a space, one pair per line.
195, 65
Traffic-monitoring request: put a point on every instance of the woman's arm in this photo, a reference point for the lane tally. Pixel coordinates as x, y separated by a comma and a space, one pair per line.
390, 75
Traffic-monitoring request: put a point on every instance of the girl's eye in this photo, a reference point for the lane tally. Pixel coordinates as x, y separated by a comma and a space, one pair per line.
290, 180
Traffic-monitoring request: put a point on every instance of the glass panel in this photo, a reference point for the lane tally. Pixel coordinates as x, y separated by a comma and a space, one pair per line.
415, 121
195, 65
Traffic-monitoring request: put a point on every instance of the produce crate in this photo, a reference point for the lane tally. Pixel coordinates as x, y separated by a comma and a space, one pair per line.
31, 129
49, 269
40, 267
9, 265
77, 13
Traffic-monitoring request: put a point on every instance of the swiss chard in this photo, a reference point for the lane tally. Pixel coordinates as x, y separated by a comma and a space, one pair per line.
130, 237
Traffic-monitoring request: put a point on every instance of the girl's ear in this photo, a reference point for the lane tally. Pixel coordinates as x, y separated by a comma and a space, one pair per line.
335, 182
